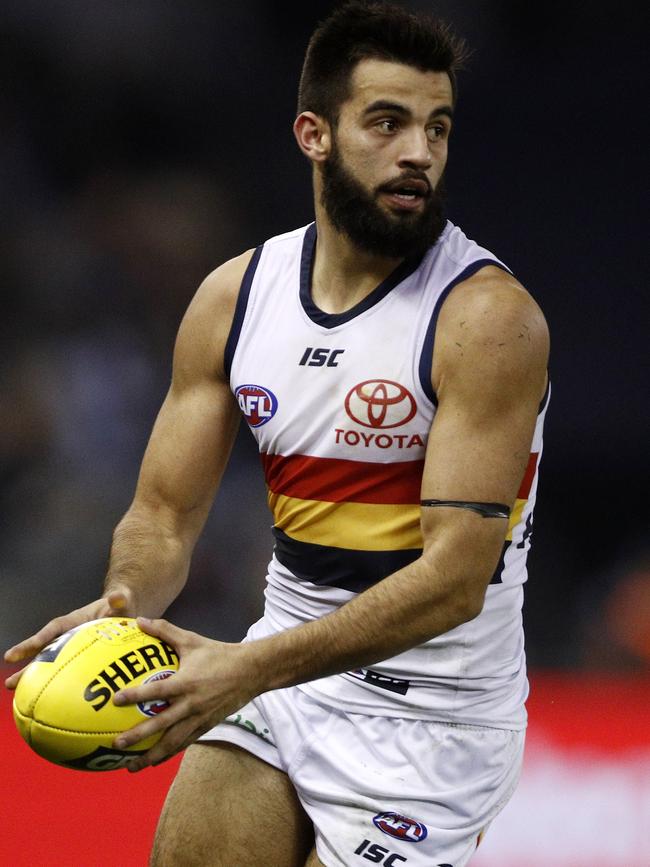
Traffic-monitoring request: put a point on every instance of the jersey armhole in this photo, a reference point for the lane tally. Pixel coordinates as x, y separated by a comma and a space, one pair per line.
240, 310
426, 355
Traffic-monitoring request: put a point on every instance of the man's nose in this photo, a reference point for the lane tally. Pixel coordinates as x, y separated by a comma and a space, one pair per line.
416, 150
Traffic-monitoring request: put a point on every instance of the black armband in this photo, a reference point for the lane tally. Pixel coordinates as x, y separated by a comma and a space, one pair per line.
486, 510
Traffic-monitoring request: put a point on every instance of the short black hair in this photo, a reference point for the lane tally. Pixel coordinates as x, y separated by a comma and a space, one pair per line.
360, 30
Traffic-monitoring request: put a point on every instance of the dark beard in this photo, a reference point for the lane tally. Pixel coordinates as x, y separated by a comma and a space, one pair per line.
355, 212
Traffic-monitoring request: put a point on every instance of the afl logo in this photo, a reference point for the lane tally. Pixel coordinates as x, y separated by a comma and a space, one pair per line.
400, 827
257, 403
153, 708
380, 403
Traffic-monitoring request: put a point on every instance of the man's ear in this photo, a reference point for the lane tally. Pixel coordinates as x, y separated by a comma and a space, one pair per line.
313, 135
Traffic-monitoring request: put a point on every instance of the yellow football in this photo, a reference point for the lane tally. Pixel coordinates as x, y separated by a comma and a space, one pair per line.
63, 704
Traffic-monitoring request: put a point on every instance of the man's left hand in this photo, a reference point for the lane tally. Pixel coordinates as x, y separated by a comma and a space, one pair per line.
213, 681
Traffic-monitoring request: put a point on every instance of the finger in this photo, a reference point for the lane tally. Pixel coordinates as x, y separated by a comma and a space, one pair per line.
31, 646
12, 681
147, 728
175, 739
158, 690
140, 732
173, 635
119, 602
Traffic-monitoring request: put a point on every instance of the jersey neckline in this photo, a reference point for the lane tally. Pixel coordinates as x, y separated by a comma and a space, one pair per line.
330, 320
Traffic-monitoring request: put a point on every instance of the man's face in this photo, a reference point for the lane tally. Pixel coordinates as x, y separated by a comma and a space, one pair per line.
382, 178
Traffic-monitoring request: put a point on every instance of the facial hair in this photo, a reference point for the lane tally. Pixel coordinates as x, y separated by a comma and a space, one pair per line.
355, 212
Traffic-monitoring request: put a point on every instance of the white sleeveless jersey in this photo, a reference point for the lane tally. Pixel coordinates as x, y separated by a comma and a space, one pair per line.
341, 406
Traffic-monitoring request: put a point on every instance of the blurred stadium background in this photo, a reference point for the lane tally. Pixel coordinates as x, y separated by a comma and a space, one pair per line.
143, 143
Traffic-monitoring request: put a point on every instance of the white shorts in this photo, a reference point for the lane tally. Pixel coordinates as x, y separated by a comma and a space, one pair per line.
380, 789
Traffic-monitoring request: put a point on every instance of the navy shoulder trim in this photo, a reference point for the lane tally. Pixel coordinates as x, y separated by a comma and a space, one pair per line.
427, 348
547, 396
240, 309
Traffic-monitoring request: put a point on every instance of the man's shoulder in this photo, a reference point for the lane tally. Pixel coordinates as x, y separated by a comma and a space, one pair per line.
492, 323
225, 281
220, 288
460, 250
291, 237
226, 278
209, 315
490, 295
482, 281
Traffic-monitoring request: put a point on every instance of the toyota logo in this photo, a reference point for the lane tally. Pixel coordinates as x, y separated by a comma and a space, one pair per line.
380, 403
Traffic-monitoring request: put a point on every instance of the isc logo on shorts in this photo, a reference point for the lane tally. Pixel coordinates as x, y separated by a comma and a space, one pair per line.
379, 854
400, 827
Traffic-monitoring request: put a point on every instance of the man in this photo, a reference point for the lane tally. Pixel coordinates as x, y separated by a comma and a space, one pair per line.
394, 375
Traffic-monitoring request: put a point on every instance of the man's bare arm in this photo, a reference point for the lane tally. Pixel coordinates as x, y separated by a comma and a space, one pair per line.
186, 456
183, 464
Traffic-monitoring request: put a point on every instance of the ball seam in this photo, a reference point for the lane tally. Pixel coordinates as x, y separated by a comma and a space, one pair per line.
58, 671
79, 731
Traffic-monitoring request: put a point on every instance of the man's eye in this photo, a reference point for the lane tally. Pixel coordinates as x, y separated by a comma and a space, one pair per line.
436, 132
387, 125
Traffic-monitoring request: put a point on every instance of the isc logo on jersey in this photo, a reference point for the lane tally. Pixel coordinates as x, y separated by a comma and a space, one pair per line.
379, 405
257, 403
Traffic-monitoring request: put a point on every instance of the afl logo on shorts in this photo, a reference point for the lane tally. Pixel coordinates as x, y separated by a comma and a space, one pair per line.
401, 827
380, 403
257, 403
153, 708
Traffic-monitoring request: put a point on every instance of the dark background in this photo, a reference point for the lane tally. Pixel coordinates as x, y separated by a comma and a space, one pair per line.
144, 142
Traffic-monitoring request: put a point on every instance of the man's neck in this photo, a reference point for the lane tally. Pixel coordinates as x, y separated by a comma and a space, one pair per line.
342, 273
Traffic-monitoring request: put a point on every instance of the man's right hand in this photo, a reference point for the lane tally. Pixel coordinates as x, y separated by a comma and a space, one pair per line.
117, 603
